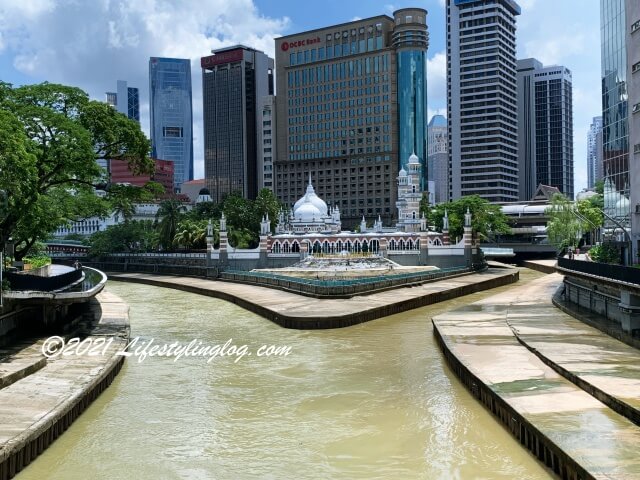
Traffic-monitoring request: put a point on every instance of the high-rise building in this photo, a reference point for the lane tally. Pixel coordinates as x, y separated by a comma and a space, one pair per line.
545, 127
351, 109
615, 110
438, 157
481, 99
171, 112
266, 141
126, 100
234, 82
633, 82
595, 172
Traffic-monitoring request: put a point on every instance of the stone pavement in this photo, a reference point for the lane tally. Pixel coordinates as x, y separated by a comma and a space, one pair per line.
582, 353
570, 430
292, 310
37, 408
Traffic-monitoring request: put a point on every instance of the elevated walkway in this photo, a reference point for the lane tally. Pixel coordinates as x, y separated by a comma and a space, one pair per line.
508, 350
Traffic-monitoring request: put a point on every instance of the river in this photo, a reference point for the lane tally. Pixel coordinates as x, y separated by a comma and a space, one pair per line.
373, 401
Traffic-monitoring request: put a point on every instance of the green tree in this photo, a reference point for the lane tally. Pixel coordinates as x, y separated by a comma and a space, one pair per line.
52, 136
486, 219
132, 237
266, 203
424, 204
168, 216
191, 234
564, 227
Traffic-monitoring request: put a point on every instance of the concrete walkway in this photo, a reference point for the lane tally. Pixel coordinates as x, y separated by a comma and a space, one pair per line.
291, 310
602, 365
569, 430
34, 410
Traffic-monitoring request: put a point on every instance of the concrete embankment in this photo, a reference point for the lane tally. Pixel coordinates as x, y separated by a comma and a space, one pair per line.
291, 310
543, 266
38, 407
567, 429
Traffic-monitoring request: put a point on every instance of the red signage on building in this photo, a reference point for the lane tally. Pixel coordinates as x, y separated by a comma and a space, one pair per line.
222, 57
299, 43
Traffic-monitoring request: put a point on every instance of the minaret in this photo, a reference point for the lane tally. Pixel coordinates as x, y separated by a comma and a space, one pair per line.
468, 235
363, 225
445, 228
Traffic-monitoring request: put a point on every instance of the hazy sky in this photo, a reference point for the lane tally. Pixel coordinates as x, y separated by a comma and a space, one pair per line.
93, 43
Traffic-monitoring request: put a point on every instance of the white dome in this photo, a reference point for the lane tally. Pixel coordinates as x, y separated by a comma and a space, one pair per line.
413, 158
307, 212
623, 204
311, 197
403, 172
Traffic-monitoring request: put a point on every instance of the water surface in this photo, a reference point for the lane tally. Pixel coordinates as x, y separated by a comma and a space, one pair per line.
372, 401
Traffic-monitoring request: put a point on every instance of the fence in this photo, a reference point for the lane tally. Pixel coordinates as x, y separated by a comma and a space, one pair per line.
614, 272
342, 287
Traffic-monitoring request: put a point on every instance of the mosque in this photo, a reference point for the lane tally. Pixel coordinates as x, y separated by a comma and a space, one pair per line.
312, 227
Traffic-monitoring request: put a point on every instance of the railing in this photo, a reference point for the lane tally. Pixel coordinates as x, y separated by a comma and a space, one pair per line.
614, 272
161, 255
339, 287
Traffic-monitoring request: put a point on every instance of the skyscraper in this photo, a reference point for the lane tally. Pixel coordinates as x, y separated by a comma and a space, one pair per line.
234, 82
615, 109
594, 153
351, 109
545, 127
266, 141
126, 100
171, 114
633, 81
481, 99
438, 157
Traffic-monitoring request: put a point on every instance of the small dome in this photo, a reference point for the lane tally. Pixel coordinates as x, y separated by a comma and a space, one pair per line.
413, 158
204, 191
403, 172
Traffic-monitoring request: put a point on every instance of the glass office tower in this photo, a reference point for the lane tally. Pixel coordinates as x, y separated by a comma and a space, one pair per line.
171, 114
615, 123
410, 39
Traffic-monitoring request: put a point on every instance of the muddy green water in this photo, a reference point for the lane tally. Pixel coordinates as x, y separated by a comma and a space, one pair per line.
373, 401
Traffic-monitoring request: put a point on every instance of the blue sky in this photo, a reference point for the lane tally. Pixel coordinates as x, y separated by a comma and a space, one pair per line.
93, 43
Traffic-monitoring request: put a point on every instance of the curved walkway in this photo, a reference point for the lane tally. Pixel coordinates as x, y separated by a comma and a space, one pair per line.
291, 310
36, 409
566, 428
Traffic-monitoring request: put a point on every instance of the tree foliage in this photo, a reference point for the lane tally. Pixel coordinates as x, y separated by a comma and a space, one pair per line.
486, 218
50, 138
564, 227
167, 218
131, 237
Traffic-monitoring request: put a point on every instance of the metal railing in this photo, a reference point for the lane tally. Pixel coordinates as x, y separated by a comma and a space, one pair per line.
614, 272
339, 287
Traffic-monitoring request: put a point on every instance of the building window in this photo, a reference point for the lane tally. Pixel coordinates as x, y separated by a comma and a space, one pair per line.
635, 68
175, 132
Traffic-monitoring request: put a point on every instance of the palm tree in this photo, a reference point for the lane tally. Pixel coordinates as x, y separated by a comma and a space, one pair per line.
169, 215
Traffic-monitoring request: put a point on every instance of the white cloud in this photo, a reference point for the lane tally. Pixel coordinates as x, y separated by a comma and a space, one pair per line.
437, 80
93, 44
